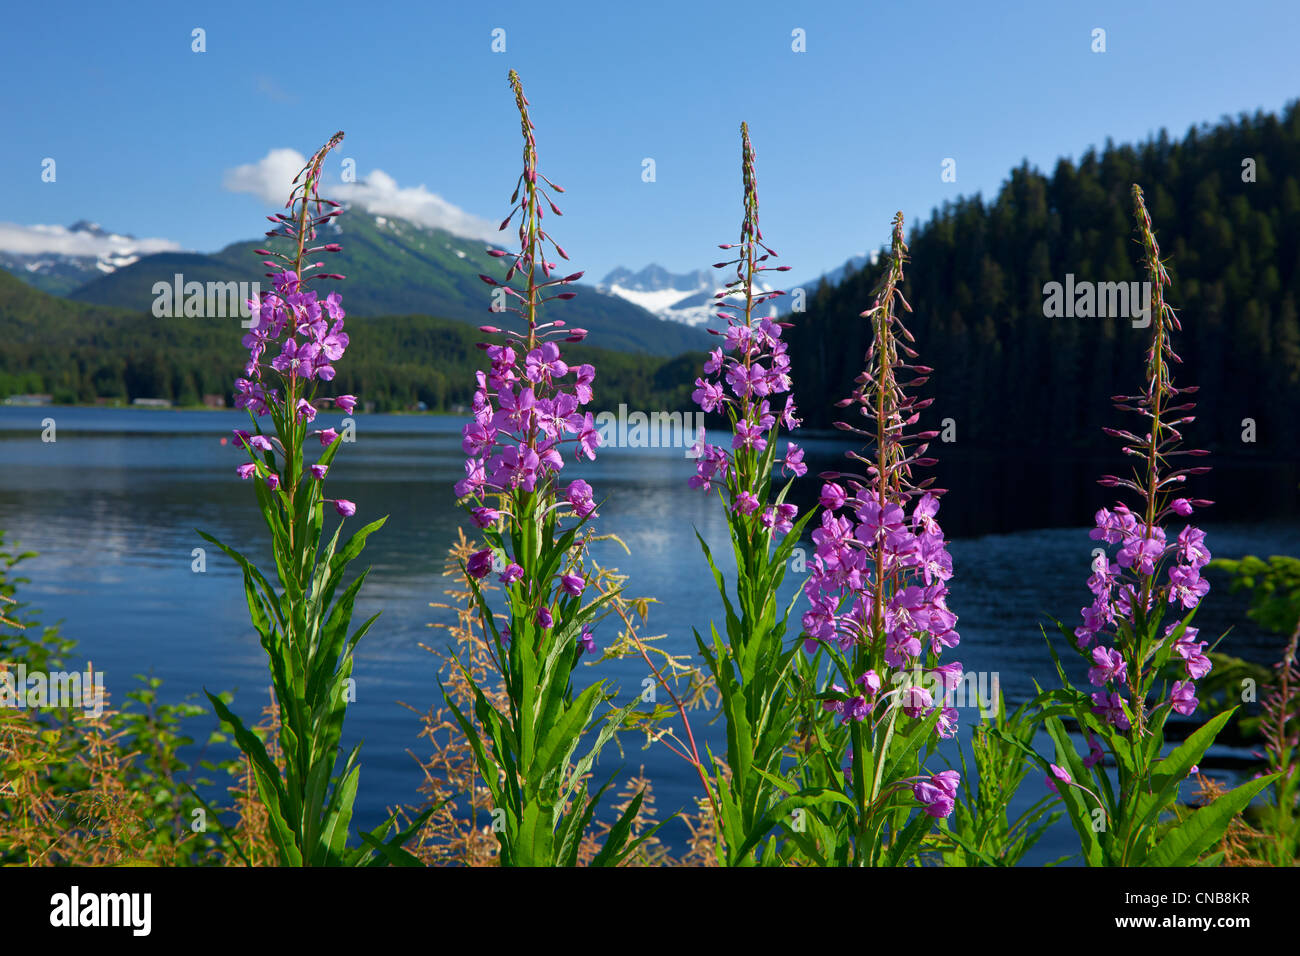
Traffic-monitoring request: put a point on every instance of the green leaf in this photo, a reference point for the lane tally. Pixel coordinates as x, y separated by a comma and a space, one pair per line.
1184, 844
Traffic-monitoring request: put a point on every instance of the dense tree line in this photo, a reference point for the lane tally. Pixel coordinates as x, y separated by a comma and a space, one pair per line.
80, 353
1011, 377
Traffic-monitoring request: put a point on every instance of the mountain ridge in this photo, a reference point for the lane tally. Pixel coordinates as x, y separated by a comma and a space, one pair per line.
396, 267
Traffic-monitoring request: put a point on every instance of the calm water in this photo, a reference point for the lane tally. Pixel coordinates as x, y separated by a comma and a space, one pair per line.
113, 503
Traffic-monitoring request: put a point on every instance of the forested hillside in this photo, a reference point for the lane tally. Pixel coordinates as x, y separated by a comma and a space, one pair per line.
80, 353
1011, 377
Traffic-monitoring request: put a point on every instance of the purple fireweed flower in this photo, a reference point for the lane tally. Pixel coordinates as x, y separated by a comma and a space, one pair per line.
879, 580
916, 701
1094, 752
328, 436
1192, 652
1186, 586
855, 708
832, 496
781, 518
1110, 706
588, 438
584, 375
479, 563
1060, 774
586, 641
938, 794
749, 436
1191, 547
345, 508
511, 574
746, 503
579, 496
544, 618
1141, 552
543, 364
1109, 666
346, 403
1183, 697
484, 517
834, 706
793, 461
300, 333
246, 470
572, 584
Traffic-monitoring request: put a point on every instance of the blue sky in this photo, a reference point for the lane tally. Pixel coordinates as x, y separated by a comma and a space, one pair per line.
144, 131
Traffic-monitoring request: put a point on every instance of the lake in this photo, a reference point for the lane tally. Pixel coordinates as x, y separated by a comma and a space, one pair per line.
112, 504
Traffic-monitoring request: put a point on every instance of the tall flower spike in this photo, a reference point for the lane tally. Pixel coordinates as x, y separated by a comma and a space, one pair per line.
1143, 665
1149, 570
305, 622
304, 333
527, 412
879, 583
752, 669
746, 373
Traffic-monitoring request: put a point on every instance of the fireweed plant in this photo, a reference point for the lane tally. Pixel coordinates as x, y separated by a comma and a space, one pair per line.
745, 377
879, 617
302, 624
527, 413
1137, 637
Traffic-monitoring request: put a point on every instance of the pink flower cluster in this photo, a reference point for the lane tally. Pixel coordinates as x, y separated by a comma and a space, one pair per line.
861, 548
311, 338
746, 381
1118, 587
525, 410
309, 334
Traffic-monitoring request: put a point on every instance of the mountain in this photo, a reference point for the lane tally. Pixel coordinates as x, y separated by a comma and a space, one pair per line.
60, 273
656, 289
690, 298
395, 267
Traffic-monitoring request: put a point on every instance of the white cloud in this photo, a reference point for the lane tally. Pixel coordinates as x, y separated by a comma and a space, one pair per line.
380, 194
270, 177
45, 240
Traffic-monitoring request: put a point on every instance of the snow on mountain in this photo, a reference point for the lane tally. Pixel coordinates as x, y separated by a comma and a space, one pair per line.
59, 259
690, 298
